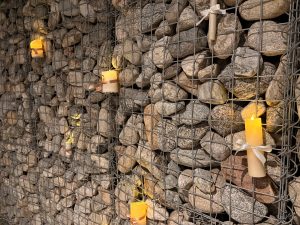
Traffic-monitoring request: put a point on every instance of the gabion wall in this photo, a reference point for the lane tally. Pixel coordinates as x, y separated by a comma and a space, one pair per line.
169, 136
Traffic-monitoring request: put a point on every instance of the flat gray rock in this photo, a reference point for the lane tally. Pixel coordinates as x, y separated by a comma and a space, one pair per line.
251, 9
195, 112
246, 88
226, 119
215, 145
247, 62
187, 43
228, 36
152, 16
192, 158
269, 38
240, 206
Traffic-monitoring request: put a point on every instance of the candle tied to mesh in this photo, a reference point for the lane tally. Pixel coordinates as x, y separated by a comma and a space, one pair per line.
138, 213
110, 81
211, 14
254, 146
37, 48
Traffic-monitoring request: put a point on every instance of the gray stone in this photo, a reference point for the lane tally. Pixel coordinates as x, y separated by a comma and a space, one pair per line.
46, 114
212, 92
251, 9
184, 44
247, 62
164, 29
192, 64
128, 75
75, 78
148, 69
204, 181
188, 138
59, 61
228, 36
174, 10
171, 71
185, 83
87, 11
129, 135
195, 112
187, 19
132, 53
199, 5
275, 90
173, 169
192, 158
268, 37
169, 182
88, 64
166, 108
133, 97
152, 16
71, 38
147, 158
105, 124
226, 119
246, 88
240, 206
294, 188
207, 203
156, 211
84, 206
215, 145
185, 182
96, 144
68, 8
126, 159
172, 92
129, 25
208, 72
161, 55
274, 118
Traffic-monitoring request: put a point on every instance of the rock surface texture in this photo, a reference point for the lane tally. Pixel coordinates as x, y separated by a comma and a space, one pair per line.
72, 155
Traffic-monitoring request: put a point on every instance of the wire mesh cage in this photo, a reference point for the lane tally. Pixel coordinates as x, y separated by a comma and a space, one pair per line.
179, 135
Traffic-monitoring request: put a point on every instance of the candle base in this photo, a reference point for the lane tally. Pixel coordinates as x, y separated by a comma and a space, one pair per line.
110, 88
255, 166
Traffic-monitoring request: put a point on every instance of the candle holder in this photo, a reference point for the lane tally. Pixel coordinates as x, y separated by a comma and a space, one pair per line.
110, 82
37, 48
138, 213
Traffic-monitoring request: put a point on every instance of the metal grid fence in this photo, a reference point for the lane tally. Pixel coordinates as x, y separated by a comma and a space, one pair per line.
73, 155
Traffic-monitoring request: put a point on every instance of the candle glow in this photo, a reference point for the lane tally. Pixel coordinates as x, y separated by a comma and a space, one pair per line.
110, 81
138, 212
37, 50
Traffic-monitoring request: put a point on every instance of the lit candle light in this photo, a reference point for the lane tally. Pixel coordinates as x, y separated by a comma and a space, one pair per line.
37, 50
110, 83
138, 212
254, 138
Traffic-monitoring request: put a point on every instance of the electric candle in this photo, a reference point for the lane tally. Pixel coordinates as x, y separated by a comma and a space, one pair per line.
37, 50
110, 82
254, 138
138, 212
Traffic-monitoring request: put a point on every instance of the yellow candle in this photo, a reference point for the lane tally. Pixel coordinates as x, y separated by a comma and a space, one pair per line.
37, 50
254, 137
110, 83
138, 212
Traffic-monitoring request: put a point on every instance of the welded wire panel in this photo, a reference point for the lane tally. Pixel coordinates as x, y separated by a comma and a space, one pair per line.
184, 100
